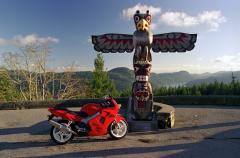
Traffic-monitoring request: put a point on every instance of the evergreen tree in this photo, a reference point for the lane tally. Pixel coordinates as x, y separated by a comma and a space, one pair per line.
101, 84
125, 93
8, 91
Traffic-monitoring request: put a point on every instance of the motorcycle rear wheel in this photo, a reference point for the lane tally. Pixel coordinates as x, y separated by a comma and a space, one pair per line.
118, 130
61, 137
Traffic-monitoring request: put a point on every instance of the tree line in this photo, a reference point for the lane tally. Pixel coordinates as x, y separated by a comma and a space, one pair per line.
216, 88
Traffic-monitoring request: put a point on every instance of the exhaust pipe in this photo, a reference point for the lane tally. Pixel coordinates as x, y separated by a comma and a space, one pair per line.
61, 127
55, 124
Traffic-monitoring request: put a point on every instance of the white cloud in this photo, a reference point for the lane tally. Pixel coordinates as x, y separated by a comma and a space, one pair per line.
129, 12
212, 18
227, 62
153, 26
89, 40
32, 39
2, 42
181, 19
220, 63
196, 68
224, 59
192, 65
178, 19
28, 39
200, 58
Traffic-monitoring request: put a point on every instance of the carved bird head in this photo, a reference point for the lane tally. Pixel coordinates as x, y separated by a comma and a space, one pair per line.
142, 21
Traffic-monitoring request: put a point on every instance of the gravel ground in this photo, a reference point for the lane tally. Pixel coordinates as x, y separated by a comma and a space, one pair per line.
199, 132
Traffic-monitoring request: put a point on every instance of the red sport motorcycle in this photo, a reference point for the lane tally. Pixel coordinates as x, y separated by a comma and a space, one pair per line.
93, 119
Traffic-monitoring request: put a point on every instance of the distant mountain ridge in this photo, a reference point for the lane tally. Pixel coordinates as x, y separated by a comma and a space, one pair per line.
123, 78
221, 76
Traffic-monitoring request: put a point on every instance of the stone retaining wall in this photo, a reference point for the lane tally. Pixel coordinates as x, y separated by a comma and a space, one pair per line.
171, 100
199, 100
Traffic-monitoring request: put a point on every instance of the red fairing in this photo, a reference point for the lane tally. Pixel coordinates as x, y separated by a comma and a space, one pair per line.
107, 116
119, 117
101, 123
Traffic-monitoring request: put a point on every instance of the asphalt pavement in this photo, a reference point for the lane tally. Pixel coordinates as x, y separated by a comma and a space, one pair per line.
202, 131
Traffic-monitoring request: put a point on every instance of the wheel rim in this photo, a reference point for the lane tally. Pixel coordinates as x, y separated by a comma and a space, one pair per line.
61, 136
119, 129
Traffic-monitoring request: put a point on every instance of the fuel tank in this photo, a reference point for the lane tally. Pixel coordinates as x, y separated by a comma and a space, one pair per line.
91, 108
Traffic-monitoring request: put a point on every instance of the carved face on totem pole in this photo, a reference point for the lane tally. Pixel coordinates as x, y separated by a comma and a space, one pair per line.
142, 21
142, 42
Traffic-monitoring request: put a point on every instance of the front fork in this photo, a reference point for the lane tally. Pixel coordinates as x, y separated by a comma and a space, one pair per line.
117, 123
118, 118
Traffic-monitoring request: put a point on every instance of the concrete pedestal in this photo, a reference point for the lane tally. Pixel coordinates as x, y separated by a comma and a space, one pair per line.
165, 115
142, 126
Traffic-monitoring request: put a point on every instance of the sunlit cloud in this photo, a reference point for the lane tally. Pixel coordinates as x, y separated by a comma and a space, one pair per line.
2, 42
197, 68
129, 12
153, 26
20, 40
89, 40
227, 62
33, 39
225, 59
178, 19
212, 18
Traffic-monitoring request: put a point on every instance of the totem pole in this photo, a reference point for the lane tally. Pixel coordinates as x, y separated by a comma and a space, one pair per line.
142, 41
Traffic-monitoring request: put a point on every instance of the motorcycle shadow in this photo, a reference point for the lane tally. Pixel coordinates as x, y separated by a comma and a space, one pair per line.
49, 143
40, 128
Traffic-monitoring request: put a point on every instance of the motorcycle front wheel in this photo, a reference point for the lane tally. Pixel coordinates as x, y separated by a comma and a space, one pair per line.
61, 137
118, 130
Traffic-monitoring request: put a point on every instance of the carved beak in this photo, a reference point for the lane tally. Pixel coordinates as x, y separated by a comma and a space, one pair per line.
142, 25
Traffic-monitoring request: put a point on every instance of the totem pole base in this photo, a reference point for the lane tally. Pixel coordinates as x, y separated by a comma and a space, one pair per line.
142, 126
164, 118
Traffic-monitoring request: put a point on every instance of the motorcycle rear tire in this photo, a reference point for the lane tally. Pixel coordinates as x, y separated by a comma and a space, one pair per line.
53, 137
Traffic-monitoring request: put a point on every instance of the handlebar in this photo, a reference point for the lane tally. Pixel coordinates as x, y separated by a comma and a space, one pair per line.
108, 102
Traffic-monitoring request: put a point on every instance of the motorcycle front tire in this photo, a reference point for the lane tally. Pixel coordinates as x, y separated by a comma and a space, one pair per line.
118, 133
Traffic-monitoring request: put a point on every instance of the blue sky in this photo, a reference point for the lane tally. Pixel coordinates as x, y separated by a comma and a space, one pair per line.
68, 24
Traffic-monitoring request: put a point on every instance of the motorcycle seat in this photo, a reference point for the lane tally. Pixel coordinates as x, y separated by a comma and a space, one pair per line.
78, 113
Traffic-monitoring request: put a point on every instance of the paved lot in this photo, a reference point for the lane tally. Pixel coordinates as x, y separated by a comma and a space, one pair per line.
199, 132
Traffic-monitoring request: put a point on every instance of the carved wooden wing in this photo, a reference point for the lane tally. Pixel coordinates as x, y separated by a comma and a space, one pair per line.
173, 42
113, 43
